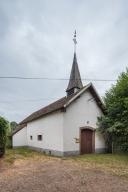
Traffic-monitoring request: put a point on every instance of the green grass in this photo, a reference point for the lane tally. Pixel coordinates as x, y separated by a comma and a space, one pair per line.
113, 163
103, 158
20, 153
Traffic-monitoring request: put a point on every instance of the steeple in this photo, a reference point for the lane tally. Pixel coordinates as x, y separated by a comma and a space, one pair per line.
75, 82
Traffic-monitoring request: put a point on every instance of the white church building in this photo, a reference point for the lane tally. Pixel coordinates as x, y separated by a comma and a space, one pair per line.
67, 126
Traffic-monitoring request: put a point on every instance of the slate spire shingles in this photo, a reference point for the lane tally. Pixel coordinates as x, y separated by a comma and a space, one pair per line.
75, 82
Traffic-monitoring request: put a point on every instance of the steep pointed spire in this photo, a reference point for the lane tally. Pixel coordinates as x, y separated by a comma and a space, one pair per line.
75, 82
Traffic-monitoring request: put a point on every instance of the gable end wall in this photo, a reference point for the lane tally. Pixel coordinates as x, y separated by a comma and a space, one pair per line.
78, 114
20, 138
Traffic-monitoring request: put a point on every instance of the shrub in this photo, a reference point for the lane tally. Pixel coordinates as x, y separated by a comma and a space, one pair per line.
3, 135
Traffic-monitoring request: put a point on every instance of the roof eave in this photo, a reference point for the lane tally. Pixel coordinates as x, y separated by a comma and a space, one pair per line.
18, 128
99, 101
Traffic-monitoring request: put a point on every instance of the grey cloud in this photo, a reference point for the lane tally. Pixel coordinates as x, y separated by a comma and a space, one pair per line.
36, 40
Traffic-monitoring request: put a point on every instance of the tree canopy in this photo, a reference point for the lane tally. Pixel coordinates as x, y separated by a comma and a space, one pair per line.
115, 120
13, 125
3, 134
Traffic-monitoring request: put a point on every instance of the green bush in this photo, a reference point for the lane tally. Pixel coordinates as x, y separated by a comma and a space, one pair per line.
3, 135
115, 121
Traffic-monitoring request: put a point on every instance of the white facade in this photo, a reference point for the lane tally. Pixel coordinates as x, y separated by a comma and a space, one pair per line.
82, 112
59, 130
51, 129
20, 138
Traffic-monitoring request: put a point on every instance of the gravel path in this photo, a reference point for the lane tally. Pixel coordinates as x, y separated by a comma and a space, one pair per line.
57, 175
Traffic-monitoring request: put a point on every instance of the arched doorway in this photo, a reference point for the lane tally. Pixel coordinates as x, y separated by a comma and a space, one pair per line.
87, 140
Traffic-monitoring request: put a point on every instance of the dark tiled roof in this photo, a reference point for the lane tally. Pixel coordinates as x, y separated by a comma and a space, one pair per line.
59, 104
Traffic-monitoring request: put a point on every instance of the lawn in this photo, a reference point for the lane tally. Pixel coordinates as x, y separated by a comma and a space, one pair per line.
113, 163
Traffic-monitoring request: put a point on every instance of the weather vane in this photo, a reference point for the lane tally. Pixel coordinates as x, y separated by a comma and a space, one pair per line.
75, 42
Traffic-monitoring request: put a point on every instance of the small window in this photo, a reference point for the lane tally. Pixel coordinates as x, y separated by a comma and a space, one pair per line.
30, 137
39, 137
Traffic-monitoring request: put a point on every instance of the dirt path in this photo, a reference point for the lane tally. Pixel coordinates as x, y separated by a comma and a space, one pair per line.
57, 175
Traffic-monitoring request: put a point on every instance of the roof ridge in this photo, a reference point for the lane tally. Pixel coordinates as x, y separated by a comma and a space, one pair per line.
59, 103
42, 109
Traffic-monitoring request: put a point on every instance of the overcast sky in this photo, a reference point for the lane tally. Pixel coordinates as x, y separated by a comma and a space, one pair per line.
36, 41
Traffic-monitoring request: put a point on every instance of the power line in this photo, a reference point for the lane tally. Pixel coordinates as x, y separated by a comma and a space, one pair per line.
28, 100
56, 79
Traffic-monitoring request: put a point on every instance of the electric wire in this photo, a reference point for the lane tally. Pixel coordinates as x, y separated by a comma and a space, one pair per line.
47, 78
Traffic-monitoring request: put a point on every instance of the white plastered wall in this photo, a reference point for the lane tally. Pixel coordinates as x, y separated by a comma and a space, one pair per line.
20, 138
51, 128
82, 112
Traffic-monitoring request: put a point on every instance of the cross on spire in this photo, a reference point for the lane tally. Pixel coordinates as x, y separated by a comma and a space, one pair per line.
75, 42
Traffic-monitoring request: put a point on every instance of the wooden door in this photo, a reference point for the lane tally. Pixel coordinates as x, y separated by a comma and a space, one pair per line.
86, 141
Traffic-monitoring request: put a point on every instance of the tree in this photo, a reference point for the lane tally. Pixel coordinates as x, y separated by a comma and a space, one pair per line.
115, 120
13, 125
3, 135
